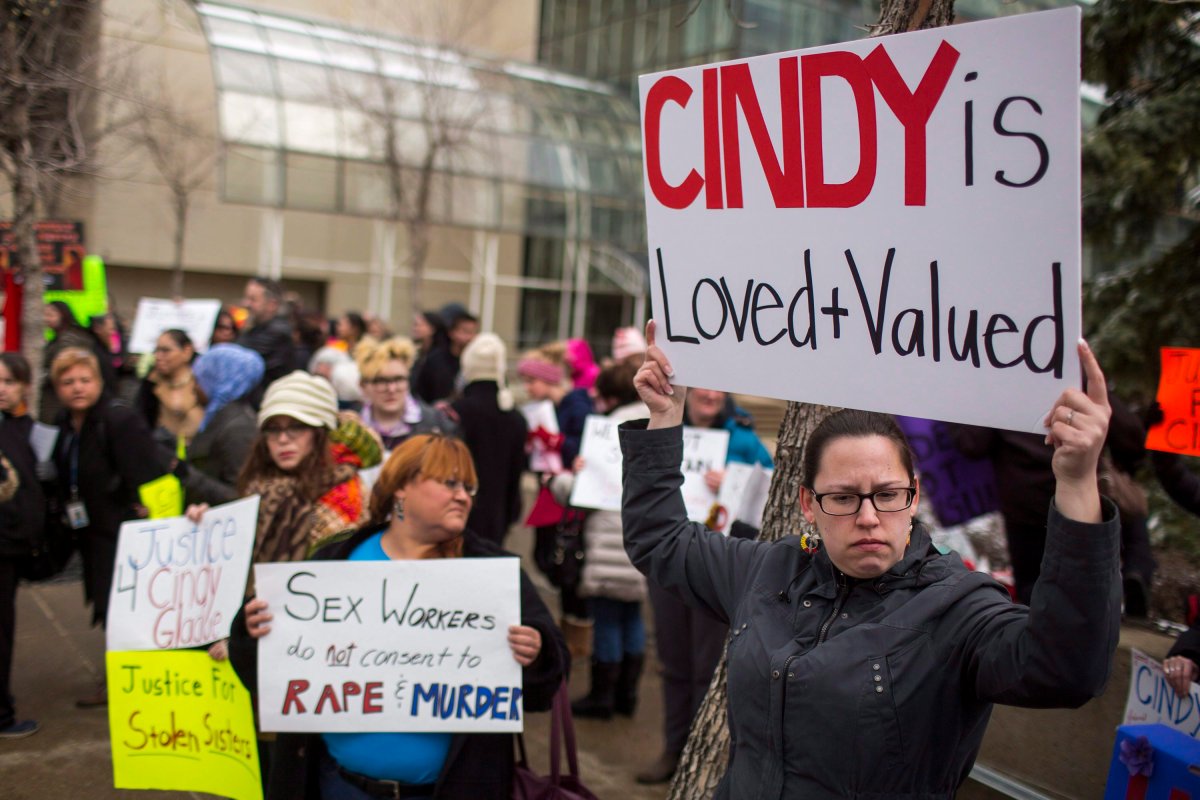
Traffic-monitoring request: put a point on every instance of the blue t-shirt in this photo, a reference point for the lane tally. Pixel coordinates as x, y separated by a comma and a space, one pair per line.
404, 757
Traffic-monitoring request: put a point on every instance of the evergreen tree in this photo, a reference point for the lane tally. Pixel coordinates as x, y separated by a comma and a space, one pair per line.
1141, 197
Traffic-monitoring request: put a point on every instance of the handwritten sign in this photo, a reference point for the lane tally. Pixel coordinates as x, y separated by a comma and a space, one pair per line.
598, 484
1152, 700
178, 584
179, 720
197, 318
543, 429
390, 646
891, 223
1179, 396
959, 488
743, 495
162, 497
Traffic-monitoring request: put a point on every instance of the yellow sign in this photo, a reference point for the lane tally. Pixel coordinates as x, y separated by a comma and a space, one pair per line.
181, 721
162, 497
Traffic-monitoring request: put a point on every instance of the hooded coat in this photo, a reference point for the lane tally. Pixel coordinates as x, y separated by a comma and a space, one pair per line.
844, 688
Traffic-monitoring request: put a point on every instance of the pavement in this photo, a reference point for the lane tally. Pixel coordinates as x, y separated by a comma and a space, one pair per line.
59, 658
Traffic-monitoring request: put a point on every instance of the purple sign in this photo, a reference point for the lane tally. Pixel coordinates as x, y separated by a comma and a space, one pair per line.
959, 488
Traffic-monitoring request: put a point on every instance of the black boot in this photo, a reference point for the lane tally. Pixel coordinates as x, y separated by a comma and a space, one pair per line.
598, 703
627, 684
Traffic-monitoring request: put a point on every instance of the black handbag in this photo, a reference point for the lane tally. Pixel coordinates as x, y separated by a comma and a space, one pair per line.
52, 547
566, 564
529, 785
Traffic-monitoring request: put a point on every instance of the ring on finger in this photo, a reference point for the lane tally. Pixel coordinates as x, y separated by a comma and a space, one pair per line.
1070, 416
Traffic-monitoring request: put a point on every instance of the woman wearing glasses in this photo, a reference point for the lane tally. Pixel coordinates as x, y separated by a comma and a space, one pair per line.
309, 485
389, 408
419, 510
868, 667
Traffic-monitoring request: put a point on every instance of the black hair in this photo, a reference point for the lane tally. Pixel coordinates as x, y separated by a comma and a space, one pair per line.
615, 382
357, 322
17, 366
271, 288
69, 320
179, 337
850, 422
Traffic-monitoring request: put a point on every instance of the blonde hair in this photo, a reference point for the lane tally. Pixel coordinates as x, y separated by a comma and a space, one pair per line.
73, 357
372, 355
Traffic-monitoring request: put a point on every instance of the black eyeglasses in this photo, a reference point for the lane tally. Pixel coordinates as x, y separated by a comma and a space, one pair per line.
381, 381
843, 504
277, 432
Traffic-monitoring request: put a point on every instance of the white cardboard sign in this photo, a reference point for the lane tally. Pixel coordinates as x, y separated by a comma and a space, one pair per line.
196, 317
743, 494
177, 584
385, 646
541, 418
890, 224
1152, 700
598, 484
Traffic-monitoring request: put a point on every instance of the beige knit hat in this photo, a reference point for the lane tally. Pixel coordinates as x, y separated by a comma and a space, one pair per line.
486, 359
307, 398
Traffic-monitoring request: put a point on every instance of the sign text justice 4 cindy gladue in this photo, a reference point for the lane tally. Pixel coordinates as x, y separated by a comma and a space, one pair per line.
900, 212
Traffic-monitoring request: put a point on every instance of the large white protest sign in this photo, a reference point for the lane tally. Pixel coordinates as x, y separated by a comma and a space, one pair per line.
197, 318
177, 583
390, 646
1152, 700
891, 224
598, 484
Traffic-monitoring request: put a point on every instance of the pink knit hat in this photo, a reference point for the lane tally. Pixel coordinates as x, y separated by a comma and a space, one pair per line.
540, 369
628, 342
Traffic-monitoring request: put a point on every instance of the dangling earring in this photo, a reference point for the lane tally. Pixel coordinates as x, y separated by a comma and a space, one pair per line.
810, 540
908, 539
398, 509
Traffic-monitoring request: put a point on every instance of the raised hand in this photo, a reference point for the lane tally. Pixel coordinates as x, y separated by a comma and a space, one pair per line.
1078, 425
653, 384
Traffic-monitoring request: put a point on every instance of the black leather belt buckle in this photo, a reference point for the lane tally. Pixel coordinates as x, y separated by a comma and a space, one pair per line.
384, 788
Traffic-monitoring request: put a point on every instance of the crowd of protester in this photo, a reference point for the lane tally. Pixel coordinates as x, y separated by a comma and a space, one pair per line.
339, 425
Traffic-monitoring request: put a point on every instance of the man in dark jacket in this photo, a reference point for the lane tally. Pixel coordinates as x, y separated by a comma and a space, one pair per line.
439, 370
267, 331
495, 435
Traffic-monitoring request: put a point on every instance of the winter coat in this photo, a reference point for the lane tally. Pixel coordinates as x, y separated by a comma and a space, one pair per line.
496, 439
479, 766
273, 341
871, 688
438, 372
22, 517
744, 445
572, 412
1180, 483
607, 570
217, 454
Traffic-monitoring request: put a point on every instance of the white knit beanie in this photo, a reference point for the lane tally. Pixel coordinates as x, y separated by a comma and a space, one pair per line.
486, 359
307, 398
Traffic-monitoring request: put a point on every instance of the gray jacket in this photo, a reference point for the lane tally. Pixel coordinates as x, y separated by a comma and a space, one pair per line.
217, 454
871, 689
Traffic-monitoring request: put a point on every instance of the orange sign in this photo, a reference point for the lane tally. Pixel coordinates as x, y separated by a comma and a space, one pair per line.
1179, 396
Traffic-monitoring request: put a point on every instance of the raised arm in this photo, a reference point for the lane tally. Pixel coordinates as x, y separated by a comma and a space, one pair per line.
705, 568
1058, 652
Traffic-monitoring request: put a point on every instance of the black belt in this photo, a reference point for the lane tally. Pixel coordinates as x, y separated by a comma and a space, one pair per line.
382, 788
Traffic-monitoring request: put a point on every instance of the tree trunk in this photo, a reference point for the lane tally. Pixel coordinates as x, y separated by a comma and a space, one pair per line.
29, 266
706, 755
181, 215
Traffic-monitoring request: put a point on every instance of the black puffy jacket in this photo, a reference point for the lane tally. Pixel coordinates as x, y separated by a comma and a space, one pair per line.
874, 688
22, 517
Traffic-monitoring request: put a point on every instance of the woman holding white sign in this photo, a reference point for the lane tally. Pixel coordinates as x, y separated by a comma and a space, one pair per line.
419, 510
869, 667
